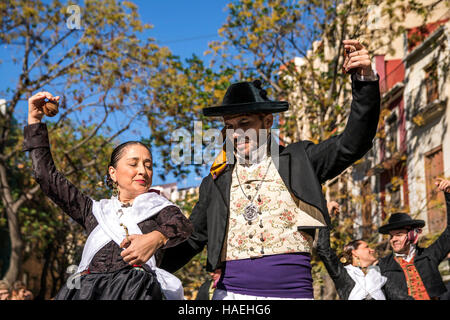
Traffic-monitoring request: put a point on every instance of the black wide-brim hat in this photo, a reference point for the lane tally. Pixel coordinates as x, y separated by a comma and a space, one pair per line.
246, 97
400, 220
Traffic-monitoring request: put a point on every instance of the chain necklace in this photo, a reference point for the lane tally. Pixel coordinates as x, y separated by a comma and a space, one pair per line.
120, 214
250, 212
122, 205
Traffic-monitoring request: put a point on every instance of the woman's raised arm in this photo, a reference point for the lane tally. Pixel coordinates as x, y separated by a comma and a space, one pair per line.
53, 183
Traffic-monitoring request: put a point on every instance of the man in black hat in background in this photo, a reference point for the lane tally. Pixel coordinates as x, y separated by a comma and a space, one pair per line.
413, 271
257, 213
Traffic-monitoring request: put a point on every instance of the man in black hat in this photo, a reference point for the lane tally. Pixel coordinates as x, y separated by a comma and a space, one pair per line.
413, 271
259, 208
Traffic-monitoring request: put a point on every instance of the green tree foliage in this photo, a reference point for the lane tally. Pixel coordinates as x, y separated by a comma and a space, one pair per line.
262, 38
92, 68
183, 91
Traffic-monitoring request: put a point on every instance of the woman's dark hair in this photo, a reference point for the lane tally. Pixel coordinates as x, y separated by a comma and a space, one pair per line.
346, 256
115, 157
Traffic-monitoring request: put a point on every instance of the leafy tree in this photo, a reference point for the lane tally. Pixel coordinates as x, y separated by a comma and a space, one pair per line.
183, 91
107, 73
93, 68
296, 47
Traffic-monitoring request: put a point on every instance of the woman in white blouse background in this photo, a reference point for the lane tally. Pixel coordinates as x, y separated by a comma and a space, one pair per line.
355, 273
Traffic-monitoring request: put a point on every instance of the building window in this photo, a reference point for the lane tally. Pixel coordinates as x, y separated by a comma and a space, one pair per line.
395, 194
391, 134
431, 82
373, 17
434, 167
394, 188
367, 194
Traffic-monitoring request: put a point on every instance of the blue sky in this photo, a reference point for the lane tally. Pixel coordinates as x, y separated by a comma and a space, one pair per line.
186, 27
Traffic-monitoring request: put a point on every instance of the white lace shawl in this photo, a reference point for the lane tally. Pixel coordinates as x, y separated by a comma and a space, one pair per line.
109, 228
366, 284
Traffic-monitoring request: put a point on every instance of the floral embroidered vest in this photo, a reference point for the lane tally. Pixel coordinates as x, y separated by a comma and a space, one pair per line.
279, 214
416, 288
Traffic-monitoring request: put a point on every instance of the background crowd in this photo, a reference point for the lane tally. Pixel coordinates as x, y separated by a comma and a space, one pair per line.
18, 291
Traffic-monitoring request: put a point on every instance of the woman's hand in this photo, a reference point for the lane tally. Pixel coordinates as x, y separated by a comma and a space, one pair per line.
141, 247
36, 104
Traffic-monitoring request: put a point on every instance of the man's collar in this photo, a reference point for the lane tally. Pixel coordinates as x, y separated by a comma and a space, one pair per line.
256, 156
409, 256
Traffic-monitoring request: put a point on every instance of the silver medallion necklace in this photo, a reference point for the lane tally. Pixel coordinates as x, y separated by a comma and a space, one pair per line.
250, 212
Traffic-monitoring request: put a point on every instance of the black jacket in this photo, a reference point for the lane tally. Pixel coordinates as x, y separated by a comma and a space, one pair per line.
343, 283
303, 166
426, 261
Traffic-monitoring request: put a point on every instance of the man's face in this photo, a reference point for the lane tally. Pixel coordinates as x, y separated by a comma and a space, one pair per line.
246, 130
27, 295
21, 293
398, 240
4, 294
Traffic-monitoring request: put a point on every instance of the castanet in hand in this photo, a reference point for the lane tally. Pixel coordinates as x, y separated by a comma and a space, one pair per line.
50, 108
346, 53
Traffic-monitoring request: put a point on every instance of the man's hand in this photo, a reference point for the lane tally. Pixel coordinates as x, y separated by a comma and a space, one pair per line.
443, 185
140, 248
357, 58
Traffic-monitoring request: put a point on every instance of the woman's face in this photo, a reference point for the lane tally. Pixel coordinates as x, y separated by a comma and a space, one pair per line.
133, 172
365, 254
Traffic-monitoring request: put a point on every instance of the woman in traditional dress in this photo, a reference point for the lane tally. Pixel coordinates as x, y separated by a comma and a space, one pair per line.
113, 266
355, 273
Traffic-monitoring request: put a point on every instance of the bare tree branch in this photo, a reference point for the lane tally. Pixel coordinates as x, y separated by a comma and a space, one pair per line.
46, 79
121, 130
95, 130
43, 54
28, 195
